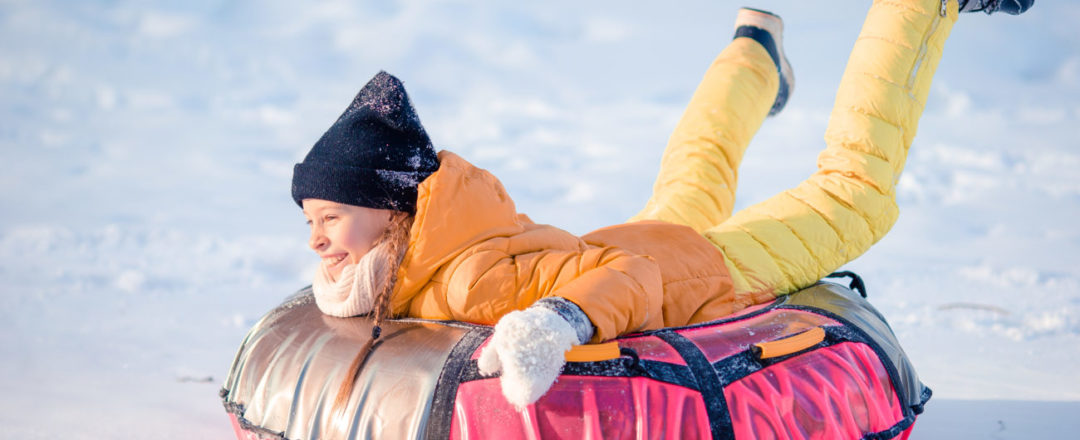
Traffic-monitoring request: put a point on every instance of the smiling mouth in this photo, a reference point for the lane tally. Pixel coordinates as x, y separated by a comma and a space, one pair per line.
333, 261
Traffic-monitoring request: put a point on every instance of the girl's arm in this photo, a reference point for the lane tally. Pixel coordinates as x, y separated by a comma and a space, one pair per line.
619, 291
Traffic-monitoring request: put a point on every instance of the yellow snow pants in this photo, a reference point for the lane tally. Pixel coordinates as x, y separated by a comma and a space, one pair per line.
795, 238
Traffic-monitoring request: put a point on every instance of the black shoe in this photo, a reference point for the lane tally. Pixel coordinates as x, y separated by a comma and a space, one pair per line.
1011, 7
767, 29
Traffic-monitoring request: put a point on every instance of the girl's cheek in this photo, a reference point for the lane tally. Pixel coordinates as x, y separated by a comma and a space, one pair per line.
344, 239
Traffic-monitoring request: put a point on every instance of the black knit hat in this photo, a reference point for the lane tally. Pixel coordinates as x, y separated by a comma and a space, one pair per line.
373, 156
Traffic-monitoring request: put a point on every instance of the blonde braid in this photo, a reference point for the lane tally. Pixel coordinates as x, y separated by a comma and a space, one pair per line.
396, 237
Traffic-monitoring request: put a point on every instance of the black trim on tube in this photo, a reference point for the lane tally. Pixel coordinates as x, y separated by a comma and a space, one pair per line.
442, 402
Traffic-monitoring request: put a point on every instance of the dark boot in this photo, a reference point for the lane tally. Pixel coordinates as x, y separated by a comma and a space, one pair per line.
767, 29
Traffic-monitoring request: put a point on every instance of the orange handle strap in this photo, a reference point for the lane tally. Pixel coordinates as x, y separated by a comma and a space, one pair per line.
593, 352
791, 344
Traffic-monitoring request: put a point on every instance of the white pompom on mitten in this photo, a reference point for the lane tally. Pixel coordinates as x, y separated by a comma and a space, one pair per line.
529, 349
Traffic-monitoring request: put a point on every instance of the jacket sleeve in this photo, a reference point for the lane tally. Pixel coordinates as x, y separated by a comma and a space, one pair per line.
619, 291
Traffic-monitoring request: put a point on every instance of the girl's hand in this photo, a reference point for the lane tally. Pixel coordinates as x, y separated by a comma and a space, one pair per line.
529, 349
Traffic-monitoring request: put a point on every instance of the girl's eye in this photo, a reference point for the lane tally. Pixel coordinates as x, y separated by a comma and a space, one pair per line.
330, 217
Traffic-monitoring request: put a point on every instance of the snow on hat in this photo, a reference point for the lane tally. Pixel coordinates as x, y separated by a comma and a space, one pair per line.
374, 155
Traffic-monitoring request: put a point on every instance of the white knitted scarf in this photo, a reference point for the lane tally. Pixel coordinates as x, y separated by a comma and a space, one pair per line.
356, 287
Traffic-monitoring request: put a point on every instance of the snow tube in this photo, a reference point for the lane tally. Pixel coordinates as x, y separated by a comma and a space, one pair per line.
820, 363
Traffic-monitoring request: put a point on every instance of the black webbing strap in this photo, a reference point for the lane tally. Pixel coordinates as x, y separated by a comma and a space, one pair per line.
622, 367
856, 284
708, 384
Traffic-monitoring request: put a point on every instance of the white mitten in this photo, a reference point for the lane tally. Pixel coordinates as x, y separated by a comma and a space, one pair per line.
529, 349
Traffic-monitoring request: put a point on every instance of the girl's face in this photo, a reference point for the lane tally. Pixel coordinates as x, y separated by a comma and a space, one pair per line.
341, 234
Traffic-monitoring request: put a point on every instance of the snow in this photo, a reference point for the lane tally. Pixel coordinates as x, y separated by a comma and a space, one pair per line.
147, 149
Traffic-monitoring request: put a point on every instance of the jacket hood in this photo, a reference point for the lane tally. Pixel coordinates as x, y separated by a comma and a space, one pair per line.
456, 207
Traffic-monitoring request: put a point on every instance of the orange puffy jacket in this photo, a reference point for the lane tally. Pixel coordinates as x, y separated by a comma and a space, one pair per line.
472, 257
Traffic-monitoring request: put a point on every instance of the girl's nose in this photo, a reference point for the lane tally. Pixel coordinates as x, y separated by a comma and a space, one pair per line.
318, 240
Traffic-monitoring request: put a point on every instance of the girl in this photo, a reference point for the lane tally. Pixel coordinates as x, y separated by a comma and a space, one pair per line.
405, 231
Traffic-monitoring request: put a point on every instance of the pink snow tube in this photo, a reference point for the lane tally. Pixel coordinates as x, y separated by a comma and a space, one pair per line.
818, 364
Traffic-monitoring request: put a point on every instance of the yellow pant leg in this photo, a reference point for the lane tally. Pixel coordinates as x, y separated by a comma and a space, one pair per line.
796, 237
699, 170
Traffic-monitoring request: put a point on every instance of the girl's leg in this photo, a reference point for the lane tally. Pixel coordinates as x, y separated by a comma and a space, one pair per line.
793, 239
699, 169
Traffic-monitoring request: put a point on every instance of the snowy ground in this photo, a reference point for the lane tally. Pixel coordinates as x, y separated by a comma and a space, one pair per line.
146, 152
